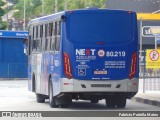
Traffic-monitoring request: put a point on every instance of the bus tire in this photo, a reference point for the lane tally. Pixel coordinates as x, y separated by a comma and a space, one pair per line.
64, 105
121, 103
33, 83
110, 103
52, 99
40, 98
94, 101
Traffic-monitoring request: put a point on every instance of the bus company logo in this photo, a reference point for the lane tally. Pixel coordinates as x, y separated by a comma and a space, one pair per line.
101, 53
83, 52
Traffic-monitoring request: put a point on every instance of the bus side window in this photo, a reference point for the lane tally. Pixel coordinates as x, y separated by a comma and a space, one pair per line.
59, 31
29, 47
55, 32
50, 34
37, 31
38, 39
33, 45
41, 31
34, 40
53, 38
30, 39
57, 42
47, 40
33, 33
41, 35
36, 36
50, 29
46, 37
43, 38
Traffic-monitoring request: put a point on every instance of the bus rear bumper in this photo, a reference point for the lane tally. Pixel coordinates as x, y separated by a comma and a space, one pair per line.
78, 86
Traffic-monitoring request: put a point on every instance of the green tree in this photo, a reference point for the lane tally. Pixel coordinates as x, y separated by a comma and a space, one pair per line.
13, 1
34, 7
80, 4
3, 25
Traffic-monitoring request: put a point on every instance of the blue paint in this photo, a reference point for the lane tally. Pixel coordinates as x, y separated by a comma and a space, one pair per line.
13, 61
117, 30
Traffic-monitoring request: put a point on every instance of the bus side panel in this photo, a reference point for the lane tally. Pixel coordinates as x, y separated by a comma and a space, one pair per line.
56, 74
55, 68
50, 68
44, 75
34, 70
29, 77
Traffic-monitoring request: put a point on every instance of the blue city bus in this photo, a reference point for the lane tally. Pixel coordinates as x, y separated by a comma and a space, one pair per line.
88, 54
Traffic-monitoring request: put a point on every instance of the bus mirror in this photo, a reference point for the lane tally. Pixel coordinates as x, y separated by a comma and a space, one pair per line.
63, 18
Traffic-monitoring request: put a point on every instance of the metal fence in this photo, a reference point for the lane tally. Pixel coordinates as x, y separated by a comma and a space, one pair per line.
13, 70
149, 85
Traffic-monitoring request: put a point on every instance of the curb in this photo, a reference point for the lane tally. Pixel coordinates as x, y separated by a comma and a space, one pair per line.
146, 101
13, 79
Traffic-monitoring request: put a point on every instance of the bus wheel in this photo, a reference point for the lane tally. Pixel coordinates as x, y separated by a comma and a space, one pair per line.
94, 101
40, 98
110, 103
52, 99
63, 105
121, 103
65, 101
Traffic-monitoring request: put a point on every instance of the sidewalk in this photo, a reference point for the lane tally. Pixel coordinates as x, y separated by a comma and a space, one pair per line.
151, 98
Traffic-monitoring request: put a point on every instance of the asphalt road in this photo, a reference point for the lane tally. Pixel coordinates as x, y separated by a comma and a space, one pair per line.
14, 96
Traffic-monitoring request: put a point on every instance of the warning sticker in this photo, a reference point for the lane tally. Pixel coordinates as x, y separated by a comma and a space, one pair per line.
154, 55
153, 60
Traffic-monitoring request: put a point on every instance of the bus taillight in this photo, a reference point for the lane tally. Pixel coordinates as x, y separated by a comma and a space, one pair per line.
67, 66
133, 66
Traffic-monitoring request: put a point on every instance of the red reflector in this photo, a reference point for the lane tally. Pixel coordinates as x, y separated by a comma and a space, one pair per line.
134, 83
133, 66
67, 66
66, 83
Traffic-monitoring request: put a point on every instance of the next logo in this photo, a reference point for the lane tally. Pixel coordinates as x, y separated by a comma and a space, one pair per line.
85, 51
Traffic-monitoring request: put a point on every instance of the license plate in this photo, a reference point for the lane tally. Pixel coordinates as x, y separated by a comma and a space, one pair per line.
100, 72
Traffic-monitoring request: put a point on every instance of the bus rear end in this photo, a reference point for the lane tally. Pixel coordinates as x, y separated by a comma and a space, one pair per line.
100, 50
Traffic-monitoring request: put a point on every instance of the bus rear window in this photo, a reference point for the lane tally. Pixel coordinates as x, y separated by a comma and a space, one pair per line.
109, 27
